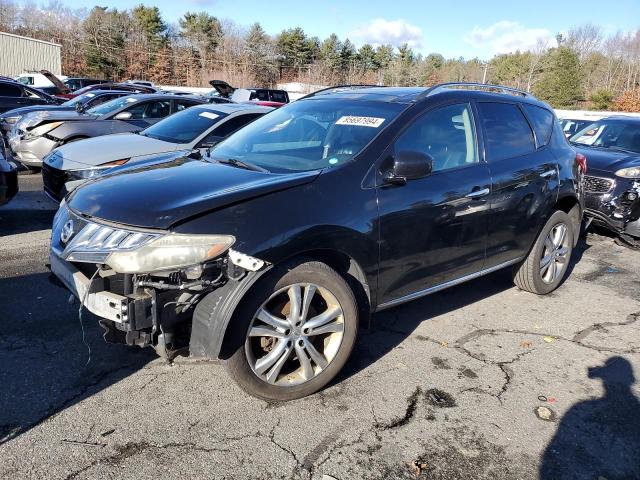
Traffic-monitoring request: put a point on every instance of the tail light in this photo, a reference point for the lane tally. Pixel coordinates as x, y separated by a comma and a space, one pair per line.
581, 160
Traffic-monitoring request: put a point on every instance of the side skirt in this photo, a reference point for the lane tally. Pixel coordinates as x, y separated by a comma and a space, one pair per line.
442, 286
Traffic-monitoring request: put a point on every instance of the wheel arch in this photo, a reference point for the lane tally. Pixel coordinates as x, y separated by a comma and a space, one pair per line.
210, 333
570, 205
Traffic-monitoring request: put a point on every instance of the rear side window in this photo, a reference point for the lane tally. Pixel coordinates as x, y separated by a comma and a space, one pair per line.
278, 96
261, 95
8, 90
542, 120
507, 132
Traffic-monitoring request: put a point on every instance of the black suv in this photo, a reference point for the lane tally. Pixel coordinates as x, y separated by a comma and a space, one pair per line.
351, 200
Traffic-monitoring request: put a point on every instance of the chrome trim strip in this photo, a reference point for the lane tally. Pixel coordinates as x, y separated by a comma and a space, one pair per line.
442, 286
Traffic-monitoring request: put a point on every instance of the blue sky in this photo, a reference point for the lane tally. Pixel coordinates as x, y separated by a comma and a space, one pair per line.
453, 28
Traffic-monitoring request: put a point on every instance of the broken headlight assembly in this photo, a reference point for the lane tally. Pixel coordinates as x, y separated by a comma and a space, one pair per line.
41, 130
170, 252
630, 172
129, 251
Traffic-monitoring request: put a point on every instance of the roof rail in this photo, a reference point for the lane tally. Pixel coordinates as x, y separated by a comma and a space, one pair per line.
354, 85
475, 86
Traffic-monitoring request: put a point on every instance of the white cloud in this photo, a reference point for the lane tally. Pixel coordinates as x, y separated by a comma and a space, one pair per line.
381, 31
506, 36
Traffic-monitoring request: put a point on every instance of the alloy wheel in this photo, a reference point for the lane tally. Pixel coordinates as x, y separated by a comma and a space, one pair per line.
555, 254
295, 334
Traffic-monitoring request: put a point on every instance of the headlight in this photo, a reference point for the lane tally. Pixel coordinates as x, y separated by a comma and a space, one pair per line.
170, 252
11, 120
42, 129
84, 174
631, 172
95, 171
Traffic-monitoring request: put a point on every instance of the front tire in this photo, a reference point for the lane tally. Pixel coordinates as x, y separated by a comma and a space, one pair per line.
294, 332
546, 265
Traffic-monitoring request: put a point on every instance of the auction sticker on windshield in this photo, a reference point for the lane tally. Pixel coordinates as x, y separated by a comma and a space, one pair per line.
209, 115
374, 122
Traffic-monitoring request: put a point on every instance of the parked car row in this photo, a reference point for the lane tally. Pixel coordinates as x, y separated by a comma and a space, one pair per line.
196, 128
263, 239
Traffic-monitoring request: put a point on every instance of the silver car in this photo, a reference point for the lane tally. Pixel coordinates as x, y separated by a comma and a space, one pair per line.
197, 128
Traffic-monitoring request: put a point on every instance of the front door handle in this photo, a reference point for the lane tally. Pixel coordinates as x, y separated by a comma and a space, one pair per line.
548, 173
478, 193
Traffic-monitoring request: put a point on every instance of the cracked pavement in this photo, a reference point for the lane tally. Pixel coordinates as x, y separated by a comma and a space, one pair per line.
445, 387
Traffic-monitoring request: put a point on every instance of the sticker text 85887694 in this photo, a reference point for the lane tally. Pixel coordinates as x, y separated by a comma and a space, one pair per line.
360, 121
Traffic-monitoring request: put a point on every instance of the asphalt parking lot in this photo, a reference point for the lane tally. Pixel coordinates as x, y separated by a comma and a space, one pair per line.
480, 381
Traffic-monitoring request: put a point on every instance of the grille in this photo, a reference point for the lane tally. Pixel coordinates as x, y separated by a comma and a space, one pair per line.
597, 184
54, 181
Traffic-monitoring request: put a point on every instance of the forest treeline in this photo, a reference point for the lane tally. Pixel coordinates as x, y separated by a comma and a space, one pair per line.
584, 68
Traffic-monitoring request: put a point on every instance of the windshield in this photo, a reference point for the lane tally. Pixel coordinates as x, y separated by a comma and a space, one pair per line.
614, 134
308, 134
184, 126
81, 99
111, 105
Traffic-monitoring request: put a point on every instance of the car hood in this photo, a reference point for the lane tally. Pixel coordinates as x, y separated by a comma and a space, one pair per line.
608, 160
108, 148
161, 195
35, 108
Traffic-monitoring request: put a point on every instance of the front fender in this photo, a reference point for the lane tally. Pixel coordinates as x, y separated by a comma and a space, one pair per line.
213, 313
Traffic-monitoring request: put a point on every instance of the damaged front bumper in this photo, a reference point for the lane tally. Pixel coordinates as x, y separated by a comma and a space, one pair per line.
613, 202
143, 309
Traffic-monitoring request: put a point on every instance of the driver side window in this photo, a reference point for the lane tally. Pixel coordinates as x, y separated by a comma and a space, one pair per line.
446, 134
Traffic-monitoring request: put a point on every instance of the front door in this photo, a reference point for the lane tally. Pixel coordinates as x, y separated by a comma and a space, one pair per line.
434, 229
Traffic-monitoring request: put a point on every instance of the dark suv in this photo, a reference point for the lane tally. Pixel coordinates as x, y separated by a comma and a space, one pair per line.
351, 200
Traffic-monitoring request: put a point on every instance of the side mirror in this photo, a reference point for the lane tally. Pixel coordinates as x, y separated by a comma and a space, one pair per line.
123, 116
408, 165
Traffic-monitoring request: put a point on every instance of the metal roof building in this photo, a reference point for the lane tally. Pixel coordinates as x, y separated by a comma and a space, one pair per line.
23, 54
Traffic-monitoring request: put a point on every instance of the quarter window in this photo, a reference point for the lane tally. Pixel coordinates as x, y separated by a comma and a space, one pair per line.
446, 134
542, 120
507, 132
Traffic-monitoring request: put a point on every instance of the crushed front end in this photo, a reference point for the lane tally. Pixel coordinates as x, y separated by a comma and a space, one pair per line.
143, 284
613, 202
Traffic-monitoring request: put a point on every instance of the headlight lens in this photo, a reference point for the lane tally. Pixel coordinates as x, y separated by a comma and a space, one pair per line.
631, 172
84, 174
95, 171
42, 129
12, 120
169, 252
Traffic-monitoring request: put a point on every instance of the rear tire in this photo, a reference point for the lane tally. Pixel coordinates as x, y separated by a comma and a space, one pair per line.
546, 265
281, 352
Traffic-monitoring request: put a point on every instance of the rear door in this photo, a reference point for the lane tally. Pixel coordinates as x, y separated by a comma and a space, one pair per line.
433, 230
524, 180
11, 97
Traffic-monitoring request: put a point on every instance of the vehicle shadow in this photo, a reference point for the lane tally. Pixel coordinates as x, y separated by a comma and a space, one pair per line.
44, 361
599, 438
389, 328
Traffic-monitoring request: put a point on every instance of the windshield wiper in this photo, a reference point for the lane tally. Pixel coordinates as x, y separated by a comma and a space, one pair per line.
234, 162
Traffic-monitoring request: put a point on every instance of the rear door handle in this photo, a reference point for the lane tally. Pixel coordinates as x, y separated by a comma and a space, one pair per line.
548, 173
478, 193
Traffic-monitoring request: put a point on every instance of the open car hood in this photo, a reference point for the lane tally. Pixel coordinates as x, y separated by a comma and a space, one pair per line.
223, 88
56, 81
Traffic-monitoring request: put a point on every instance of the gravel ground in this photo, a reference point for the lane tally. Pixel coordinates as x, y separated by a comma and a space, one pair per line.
481, 381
